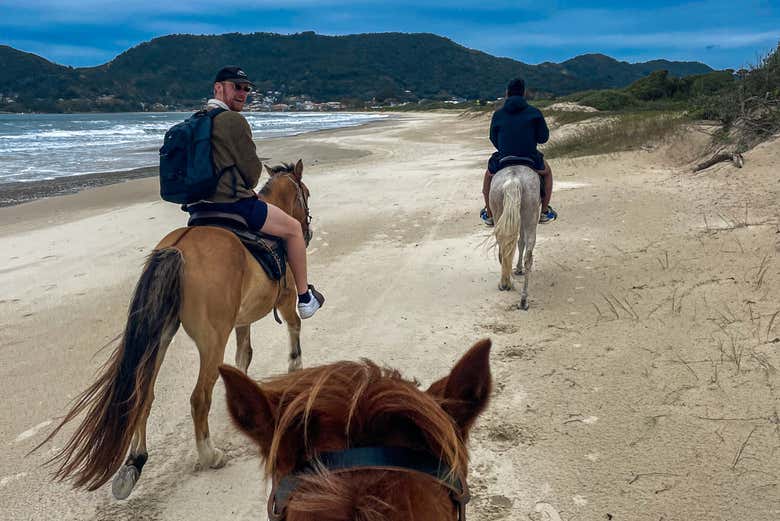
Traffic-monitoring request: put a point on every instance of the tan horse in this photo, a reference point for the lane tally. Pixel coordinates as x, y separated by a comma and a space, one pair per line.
204, 279
351, 441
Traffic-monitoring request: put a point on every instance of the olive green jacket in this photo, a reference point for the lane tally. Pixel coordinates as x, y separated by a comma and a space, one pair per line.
235, 156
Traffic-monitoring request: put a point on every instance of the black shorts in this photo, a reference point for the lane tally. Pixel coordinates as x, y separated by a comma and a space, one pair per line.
494, 162
253, 210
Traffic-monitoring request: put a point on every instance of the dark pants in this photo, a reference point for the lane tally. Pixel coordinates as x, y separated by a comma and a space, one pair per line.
253, 210
536, 162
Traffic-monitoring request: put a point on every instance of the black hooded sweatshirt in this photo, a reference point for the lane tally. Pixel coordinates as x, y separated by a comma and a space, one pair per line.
517, 127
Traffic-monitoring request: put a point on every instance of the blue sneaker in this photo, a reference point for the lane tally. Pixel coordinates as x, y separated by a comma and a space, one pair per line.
549, 216
484, 216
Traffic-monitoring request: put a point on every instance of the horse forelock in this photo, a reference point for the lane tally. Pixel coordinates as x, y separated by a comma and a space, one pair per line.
368, 495
354, 404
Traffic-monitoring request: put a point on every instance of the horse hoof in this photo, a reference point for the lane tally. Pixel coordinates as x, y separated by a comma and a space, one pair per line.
124, 481
295, 365
504, 287
518, 271
219, 459
523, 304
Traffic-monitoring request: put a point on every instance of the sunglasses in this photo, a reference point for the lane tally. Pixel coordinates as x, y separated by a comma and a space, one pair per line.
241, 86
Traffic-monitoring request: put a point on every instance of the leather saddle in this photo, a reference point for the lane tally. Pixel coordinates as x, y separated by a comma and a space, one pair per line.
516, 160
268, 250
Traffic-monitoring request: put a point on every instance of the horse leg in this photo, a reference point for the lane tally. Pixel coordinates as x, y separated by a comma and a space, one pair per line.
288, 310
520, 252
127, 476
211, 355
505, 284
529, 232
243, 348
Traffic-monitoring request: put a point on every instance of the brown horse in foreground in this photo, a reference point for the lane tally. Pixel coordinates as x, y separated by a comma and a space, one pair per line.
351, 441
204, 279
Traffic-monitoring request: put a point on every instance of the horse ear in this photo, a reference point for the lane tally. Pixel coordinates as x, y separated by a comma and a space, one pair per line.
464, 393
248, 406
298, 171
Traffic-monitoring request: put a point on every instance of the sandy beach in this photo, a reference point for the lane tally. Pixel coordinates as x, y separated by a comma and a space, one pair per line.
641, 385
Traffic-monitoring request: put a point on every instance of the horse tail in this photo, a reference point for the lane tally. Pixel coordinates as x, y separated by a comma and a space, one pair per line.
114, 403
507, 228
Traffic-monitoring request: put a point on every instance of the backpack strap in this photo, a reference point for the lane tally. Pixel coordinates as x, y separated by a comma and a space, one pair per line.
213, 113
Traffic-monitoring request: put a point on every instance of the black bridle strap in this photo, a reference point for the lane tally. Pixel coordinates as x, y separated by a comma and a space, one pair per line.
301, 199
372, 458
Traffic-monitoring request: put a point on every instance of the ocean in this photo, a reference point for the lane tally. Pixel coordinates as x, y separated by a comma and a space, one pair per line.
36, 147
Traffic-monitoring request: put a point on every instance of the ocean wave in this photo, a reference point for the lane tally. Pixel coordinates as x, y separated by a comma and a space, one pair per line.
63, 145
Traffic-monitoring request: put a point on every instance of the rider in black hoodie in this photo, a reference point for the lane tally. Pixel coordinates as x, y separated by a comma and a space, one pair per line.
515, 130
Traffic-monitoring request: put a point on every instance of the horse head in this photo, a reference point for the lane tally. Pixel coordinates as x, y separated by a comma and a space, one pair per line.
291, 195
352, 440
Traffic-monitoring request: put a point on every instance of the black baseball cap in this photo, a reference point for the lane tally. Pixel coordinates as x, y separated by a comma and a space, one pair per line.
234, 74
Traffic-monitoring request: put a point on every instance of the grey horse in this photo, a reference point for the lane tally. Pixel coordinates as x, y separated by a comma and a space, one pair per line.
515, 203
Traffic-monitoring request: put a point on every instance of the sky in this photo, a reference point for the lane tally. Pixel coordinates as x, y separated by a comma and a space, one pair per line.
721, 33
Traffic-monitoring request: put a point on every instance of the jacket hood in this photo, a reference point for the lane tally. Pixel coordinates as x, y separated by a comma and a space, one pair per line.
515, 104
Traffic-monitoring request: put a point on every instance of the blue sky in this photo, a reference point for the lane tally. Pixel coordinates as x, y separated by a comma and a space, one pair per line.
720, 33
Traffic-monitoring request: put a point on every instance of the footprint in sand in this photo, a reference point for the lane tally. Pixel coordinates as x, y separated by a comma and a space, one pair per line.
548, 512
508, 436
9, 479
29, 433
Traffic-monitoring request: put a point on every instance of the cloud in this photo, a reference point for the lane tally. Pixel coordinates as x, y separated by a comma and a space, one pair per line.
64, 54
658, 40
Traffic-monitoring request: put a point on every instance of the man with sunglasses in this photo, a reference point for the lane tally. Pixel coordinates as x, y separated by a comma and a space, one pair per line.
235, 158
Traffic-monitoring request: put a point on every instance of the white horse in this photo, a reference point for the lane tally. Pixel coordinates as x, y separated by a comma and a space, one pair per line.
515, 203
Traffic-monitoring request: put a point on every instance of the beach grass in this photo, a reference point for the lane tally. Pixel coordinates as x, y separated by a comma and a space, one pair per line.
618, 133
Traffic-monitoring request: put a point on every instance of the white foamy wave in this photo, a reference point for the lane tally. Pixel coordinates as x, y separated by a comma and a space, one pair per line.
45, 146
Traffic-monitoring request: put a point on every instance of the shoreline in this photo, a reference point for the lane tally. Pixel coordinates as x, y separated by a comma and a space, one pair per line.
20, 192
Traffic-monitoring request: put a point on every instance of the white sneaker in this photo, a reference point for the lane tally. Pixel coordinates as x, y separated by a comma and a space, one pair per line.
316, 300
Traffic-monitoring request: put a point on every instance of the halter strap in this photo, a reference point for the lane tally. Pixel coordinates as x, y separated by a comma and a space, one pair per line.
371, 458
301, 199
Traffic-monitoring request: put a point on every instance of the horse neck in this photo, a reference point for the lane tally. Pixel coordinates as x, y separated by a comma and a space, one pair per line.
280, 193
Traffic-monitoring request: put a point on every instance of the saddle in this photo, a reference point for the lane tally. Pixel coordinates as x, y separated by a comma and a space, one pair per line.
516, 160
268, 250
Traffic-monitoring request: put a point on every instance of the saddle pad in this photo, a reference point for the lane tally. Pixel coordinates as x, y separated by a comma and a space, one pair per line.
267, 250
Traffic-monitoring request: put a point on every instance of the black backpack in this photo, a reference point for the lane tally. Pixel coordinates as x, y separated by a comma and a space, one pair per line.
186, 170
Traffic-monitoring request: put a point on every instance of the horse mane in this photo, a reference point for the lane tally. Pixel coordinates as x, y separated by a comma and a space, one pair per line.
354, 404
359, 401
283, 168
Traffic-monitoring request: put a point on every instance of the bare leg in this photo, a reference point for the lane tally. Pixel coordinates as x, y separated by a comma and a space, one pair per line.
288, 310
243, 348
281, 225
547, 179
486, 191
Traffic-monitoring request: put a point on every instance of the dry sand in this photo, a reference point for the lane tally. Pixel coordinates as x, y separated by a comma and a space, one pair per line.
641, 385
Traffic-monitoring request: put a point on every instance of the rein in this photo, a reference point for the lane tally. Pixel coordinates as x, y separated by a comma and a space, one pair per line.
301, 199
370, 458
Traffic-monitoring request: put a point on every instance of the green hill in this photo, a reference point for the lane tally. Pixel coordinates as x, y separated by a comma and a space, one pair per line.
176, 71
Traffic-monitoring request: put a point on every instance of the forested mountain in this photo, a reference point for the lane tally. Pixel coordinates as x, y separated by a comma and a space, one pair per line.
176, 71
